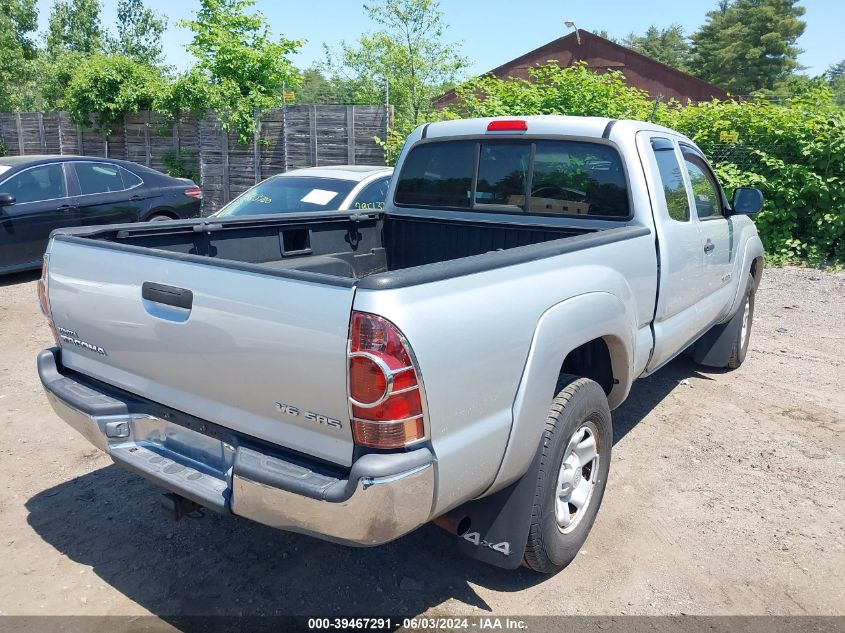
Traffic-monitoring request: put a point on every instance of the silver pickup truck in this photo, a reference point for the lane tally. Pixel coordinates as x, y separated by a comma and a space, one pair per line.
453, 357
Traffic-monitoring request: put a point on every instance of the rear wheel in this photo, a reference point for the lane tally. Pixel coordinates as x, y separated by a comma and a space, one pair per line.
573, 474
159, 217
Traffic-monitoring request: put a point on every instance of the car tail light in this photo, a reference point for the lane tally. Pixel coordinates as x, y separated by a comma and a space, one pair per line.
43, 299
193, 192
507, 125
385, 391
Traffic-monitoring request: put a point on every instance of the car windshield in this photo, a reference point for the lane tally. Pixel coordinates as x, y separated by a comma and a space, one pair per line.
289, 194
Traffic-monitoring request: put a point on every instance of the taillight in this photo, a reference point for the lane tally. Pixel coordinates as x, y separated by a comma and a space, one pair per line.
385, 398
193, 192
43, 300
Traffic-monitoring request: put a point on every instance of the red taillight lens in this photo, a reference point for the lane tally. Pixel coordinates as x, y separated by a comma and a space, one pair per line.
384, 385
193, 192
507, 125
398, 406
367, 380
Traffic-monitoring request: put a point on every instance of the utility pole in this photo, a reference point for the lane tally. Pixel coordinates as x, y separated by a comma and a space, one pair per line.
386, 108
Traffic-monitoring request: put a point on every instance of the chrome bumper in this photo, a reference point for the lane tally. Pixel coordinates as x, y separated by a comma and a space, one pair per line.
380, 499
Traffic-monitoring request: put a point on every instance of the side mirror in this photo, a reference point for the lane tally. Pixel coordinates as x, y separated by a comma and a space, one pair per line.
747, 201
6, 199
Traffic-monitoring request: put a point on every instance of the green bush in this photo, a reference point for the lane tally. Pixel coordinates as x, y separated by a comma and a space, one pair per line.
178, 164
794, 152
105, 87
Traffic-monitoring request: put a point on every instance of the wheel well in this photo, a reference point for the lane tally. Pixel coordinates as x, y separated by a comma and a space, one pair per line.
170, 214
591, 360
757, 270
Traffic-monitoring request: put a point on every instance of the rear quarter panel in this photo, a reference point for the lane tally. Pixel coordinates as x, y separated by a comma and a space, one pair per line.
172, 199
472, 335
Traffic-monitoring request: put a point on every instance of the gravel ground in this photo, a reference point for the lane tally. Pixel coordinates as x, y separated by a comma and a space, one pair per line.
725, 497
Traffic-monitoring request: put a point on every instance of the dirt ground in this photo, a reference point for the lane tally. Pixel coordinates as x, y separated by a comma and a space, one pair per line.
726, 496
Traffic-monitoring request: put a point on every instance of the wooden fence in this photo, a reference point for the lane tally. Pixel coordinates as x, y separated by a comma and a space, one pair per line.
289, 138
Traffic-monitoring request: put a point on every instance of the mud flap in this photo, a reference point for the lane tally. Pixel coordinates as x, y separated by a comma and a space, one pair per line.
714, 348
495, 529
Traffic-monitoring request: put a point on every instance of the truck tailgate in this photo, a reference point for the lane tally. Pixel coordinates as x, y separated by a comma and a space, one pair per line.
260, 354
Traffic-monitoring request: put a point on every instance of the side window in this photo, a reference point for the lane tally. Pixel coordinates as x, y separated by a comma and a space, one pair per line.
98, 178
705, 190
46, 182
372, 196
129, 179
671, 178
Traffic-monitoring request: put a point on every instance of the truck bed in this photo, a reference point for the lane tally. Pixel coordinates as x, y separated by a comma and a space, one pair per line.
159, 303
331, 245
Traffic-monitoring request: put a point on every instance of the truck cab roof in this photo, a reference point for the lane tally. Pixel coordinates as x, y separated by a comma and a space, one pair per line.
591, 127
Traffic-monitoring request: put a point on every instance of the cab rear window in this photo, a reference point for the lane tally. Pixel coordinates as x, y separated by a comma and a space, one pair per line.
545, 177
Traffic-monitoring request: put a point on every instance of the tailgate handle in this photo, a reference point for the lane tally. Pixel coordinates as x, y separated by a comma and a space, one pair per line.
168, 295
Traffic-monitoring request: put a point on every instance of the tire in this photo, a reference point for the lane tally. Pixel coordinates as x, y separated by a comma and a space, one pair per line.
743, 335
556, 532
158, 217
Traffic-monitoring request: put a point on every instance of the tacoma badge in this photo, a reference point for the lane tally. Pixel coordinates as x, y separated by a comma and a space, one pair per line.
72, 338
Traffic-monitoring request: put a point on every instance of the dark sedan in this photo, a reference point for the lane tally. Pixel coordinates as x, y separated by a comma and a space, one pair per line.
42, 193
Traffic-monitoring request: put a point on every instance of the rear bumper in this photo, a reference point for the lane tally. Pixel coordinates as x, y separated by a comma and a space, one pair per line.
382, 497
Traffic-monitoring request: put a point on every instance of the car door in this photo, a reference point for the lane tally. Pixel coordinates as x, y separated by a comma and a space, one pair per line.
677, 317
108, 193
716, 233
372, 196
42, 203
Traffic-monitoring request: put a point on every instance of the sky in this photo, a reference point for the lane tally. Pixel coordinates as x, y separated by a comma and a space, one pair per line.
492, 32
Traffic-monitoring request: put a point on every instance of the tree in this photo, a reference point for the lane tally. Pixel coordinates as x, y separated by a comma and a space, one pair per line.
834, 71
139, 32
606, 35
838, 88
18, 20
669, 45
406, 53
748, 45
74, 26
190, 93
317, 88
106, 87
245, 67
836, 76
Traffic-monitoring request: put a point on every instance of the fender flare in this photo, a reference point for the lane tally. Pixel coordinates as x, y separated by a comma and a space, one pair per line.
753, 250
562, 328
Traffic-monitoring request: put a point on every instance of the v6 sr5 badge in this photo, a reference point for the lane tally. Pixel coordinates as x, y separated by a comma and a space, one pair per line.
318, 418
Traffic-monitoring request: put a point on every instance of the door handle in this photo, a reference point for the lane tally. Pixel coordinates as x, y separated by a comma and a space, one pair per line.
167, 295
709, 246
65, 207
136, 197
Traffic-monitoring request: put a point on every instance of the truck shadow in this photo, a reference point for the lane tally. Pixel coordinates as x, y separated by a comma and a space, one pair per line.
14, 279
225, 566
